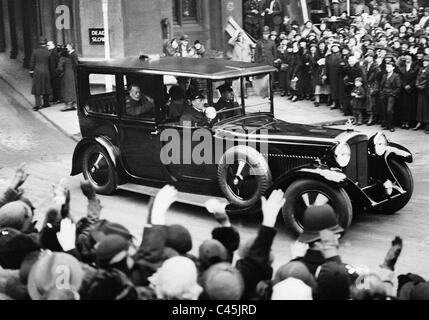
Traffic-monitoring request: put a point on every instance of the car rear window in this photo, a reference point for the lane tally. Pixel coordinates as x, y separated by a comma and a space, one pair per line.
102, 94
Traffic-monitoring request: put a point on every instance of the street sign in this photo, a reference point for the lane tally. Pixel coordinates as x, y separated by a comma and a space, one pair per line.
96, 36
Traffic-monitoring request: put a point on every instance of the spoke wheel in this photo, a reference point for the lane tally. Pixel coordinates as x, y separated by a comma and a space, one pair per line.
243, 176
305, 193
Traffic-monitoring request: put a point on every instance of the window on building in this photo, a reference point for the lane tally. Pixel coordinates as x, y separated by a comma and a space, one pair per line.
185, 11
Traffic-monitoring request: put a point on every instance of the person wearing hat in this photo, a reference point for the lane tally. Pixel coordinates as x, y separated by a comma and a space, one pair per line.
390, 88
333, 282
407, 106
194, 114
396, 19
227, 102
184, 46
59, 270
256, 263
336, 81
198, 49
371, 73
321, 233
39, 71
177, 104
422, 86
424, 21
358, 96
251, 18
273, 13
266, 50
284, 54
66, 69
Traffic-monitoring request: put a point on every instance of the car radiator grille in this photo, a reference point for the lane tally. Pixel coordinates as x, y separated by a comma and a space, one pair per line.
292, 161
357, 170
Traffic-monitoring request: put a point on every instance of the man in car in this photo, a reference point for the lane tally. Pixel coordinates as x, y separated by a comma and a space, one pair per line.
195, 113
186, 86
227, 102
138, 104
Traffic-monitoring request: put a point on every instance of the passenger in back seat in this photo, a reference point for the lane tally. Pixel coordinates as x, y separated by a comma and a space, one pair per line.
177, 104
139, 104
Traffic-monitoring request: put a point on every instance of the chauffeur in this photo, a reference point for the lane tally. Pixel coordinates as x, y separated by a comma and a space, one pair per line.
226, 101
195, 113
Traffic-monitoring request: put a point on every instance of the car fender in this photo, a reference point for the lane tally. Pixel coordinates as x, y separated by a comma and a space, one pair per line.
332, 176
102, 141
397, 151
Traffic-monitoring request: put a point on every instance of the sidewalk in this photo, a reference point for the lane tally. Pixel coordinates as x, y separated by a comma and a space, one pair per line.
12, 72
16, 76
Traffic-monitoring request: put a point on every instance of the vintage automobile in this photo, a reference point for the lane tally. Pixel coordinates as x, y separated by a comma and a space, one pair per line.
314, 165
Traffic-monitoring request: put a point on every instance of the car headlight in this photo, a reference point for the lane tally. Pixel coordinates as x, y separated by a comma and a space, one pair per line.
380, 144
342, 154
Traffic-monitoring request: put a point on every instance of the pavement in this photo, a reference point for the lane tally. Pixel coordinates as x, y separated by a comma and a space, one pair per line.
12, 72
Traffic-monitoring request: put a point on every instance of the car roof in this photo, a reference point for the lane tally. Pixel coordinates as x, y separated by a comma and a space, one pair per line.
215, 69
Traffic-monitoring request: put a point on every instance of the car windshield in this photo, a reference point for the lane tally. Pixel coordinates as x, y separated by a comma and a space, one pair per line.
248, 94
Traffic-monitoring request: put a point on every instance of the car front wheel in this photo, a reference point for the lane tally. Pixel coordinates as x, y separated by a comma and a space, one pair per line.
99, 170
405, 178
305, 193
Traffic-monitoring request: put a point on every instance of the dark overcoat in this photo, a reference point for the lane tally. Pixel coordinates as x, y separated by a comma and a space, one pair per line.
39, 63
335, 75
266, 52
422, 85
406, 107
66, 67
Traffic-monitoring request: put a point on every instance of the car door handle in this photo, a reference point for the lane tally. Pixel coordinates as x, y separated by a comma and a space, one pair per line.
155, 133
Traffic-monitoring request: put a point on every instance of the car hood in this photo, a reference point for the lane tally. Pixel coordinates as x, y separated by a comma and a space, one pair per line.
266, 127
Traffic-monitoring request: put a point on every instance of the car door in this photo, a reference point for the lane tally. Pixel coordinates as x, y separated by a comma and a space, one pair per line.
189, 154
139, 135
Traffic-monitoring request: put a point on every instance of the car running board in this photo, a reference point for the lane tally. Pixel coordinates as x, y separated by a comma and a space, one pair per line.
183, 197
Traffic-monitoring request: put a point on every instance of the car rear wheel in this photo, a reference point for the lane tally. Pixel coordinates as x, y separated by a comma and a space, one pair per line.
99, 170
244, 176
305, 193
405, 178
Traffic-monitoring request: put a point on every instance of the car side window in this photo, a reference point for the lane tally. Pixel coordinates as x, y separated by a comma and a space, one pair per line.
102, 94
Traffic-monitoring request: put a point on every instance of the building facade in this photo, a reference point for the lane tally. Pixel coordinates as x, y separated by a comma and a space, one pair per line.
135, 26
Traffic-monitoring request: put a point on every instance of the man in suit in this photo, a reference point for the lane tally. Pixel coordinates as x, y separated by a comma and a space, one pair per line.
390, 89
54, 58
138, 104
39, 70
266, 50
407, 108
273, 13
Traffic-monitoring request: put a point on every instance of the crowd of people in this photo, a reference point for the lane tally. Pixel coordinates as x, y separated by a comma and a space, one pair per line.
182, 48
52, 69
372, 66
96, 259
